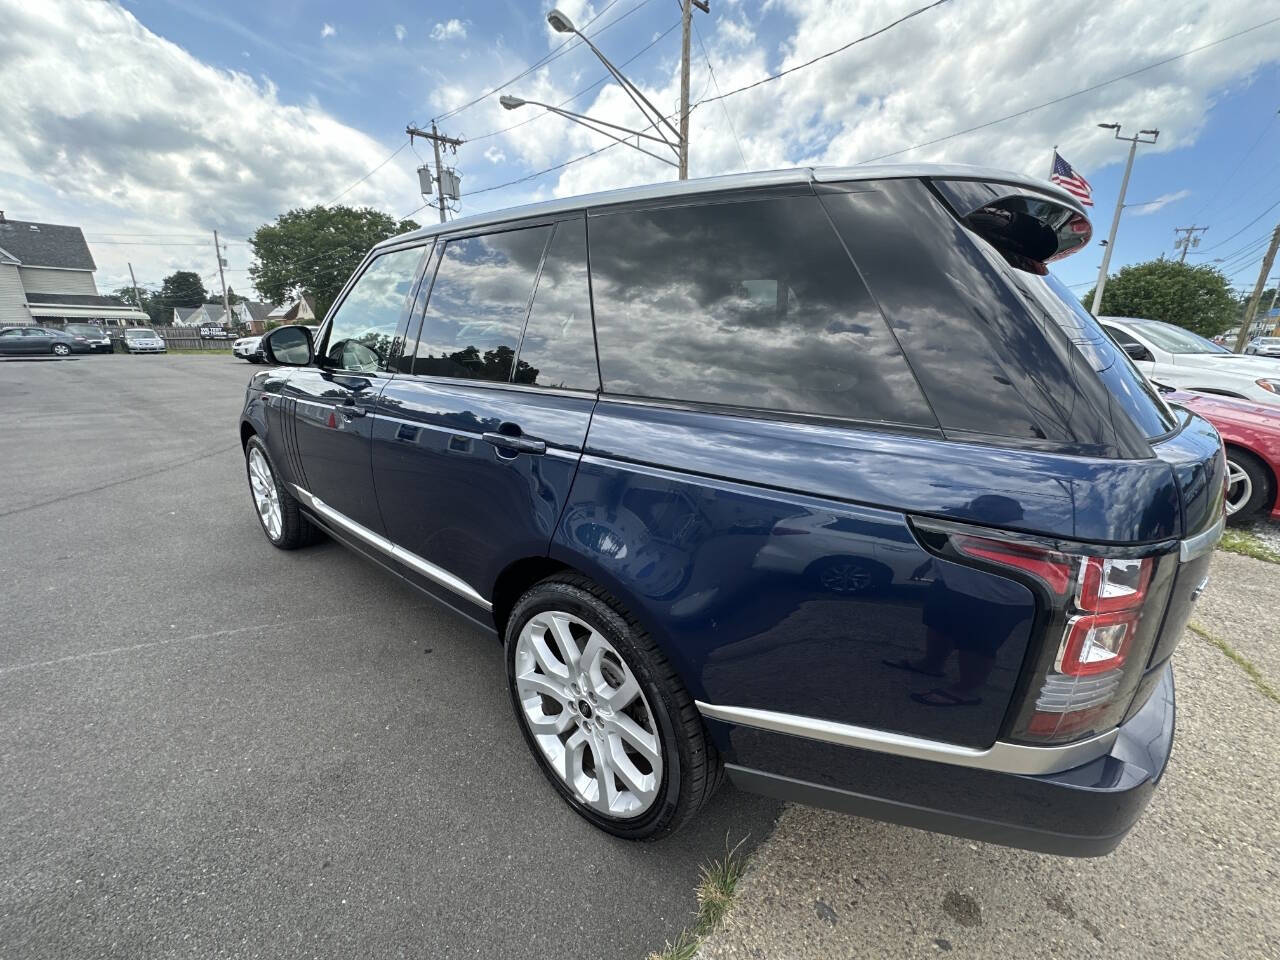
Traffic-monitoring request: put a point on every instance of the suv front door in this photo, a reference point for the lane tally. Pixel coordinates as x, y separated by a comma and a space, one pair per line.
476, 442
330, 402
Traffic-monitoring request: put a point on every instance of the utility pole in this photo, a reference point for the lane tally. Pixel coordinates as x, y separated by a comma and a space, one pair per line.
686, 25
1243, 336
436, 139
1184, 243
226, 307
136, 298
1115, 220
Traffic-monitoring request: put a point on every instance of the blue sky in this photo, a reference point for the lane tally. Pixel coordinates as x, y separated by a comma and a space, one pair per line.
154, 122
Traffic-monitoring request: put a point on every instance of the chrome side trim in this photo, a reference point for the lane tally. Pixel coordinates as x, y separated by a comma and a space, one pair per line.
1202, 543
1001, 757
425, 567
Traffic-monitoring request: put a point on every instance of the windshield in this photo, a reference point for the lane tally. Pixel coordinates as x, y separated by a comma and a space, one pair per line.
83, 329
1177, 340
140, 334
1128, 387
1269, 341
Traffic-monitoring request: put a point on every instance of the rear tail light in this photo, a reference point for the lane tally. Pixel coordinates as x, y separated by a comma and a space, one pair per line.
1100, 616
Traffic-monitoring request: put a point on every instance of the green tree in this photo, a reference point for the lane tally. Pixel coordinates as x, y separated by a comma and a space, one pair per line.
1195, 297
315, 250
182, 288
156, 309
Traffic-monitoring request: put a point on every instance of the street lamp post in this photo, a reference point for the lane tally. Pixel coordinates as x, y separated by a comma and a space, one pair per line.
1115, 220
676, 141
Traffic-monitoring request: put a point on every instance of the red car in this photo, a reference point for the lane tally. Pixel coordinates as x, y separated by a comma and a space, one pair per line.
1251, 434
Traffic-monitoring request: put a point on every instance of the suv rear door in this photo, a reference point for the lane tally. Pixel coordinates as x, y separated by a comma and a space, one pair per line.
477, 438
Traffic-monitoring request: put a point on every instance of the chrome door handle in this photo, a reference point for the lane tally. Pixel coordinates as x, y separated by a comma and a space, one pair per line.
519, 444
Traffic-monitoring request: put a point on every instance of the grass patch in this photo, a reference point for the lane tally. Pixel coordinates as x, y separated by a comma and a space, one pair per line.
1247, 544
1239, 659
716, 887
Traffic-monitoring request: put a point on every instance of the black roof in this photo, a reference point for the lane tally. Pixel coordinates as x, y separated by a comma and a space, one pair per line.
75, 300
46, 245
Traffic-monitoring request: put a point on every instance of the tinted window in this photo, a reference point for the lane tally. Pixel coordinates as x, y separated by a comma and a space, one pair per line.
752, 303
558, 349
478, 305
1129, 388
1120, 336
364, 328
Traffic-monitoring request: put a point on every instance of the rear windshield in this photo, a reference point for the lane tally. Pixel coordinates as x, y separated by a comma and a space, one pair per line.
139, 334
1130, 389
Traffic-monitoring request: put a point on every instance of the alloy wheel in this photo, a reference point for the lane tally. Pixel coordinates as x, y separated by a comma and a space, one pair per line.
588, 715
1239, 487
61, 349
265, 496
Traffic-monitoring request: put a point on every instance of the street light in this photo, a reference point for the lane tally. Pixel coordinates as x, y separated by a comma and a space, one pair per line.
561, 23
1115, 220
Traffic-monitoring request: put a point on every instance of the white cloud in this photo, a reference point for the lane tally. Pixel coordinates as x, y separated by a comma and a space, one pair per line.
180, 147
327, 30
1159, 203
401, 32
449, 30
494, 155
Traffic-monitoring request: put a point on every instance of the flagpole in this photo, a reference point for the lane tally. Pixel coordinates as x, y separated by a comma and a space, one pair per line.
1053, 161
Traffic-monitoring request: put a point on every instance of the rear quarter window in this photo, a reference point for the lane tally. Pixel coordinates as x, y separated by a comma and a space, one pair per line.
752, 303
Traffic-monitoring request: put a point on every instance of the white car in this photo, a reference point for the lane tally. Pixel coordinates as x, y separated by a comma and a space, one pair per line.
1176, 357
247, 348
142, 340
1264, 347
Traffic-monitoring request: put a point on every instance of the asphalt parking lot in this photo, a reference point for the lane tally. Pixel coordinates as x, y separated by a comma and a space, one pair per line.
214, 749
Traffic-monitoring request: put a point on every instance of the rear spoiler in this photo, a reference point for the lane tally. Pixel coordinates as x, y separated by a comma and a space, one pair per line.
1031, 227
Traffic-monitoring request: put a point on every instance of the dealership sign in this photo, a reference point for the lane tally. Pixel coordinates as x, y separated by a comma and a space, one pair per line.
215, 332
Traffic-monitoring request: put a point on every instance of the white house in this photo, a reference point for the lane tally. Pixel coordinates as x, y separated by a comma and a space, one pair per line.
46, 276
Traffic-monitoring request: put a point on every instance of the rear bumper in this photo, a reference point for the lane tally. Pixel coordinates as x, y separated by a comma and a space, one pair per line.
1082, 812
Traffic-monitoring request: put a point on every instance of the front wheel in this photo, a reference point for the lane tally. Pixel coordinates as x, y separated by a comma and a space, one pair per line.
278, 513
1248, 485
61, 350
607, 718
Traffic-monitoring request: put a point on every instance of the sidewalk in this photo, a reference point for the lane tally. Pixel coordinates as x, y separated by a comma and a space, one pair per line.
1199, 876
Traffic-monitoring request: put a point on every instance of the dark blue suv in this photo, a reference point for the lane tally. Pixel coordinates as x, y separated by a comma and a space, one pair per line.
816, 478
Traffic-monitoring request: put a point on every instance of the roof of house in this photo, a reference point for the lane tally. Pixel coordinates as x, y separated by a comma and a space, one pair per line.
76, 300
257, 309
45, 245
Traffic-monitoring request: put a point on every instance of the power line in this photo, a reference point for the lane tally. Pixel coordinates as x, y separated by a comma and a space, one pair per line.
1068, 96
1266, 128
553, 55
831, 53
723, 106
369, 174
1241, 230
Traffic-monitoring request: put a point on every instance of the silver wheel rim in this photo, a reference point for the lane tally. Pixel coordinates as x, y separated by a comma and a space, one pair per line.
588, 715
61, 349
265, 496
1239, 487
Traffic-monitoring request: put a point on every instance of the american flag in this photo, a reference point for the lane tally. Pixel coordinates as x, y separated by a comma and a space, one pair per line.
1067, 178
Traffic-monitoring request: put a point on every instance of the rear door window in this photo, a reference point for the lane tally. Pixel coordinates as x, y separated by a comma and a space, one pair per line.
753, 303
478, 305
558, 349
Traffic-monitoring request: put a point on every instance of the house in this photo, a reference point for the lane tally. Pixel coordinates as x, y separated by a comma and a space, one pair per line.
302, 310
46, 277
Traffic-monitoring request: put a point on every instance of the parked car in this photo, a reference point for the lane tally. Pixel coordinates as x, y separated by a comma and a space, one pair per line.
247, 348
1184, 360
598, 460
1251, 434
37, 340
94, 337
142, 340
1264, 347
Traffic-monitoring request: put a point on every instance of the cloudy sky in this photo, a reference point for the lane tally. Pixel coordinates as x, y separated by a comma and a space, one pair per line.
152, 123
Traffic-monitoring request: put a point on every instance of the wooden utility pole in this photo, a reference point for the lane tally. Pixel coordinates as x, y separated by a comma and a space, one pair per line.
226, 307
134, 280
1185, 243
1243, 336
686, 25
436, 139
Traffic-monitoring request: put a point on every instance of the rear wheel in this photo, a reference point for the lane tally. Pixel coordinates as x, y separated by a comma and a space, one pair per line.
603, 712
1249, 485
60, 350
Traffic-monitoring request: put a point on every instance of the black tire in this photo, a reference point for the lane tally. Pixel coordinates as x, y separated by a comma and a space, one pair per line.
60, 350
1260, 479
692, 770
295, 529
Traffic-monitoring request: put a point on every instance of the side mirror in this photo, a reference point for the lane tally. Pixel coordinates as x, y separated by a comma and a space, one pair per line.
288, 347
1137, 351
